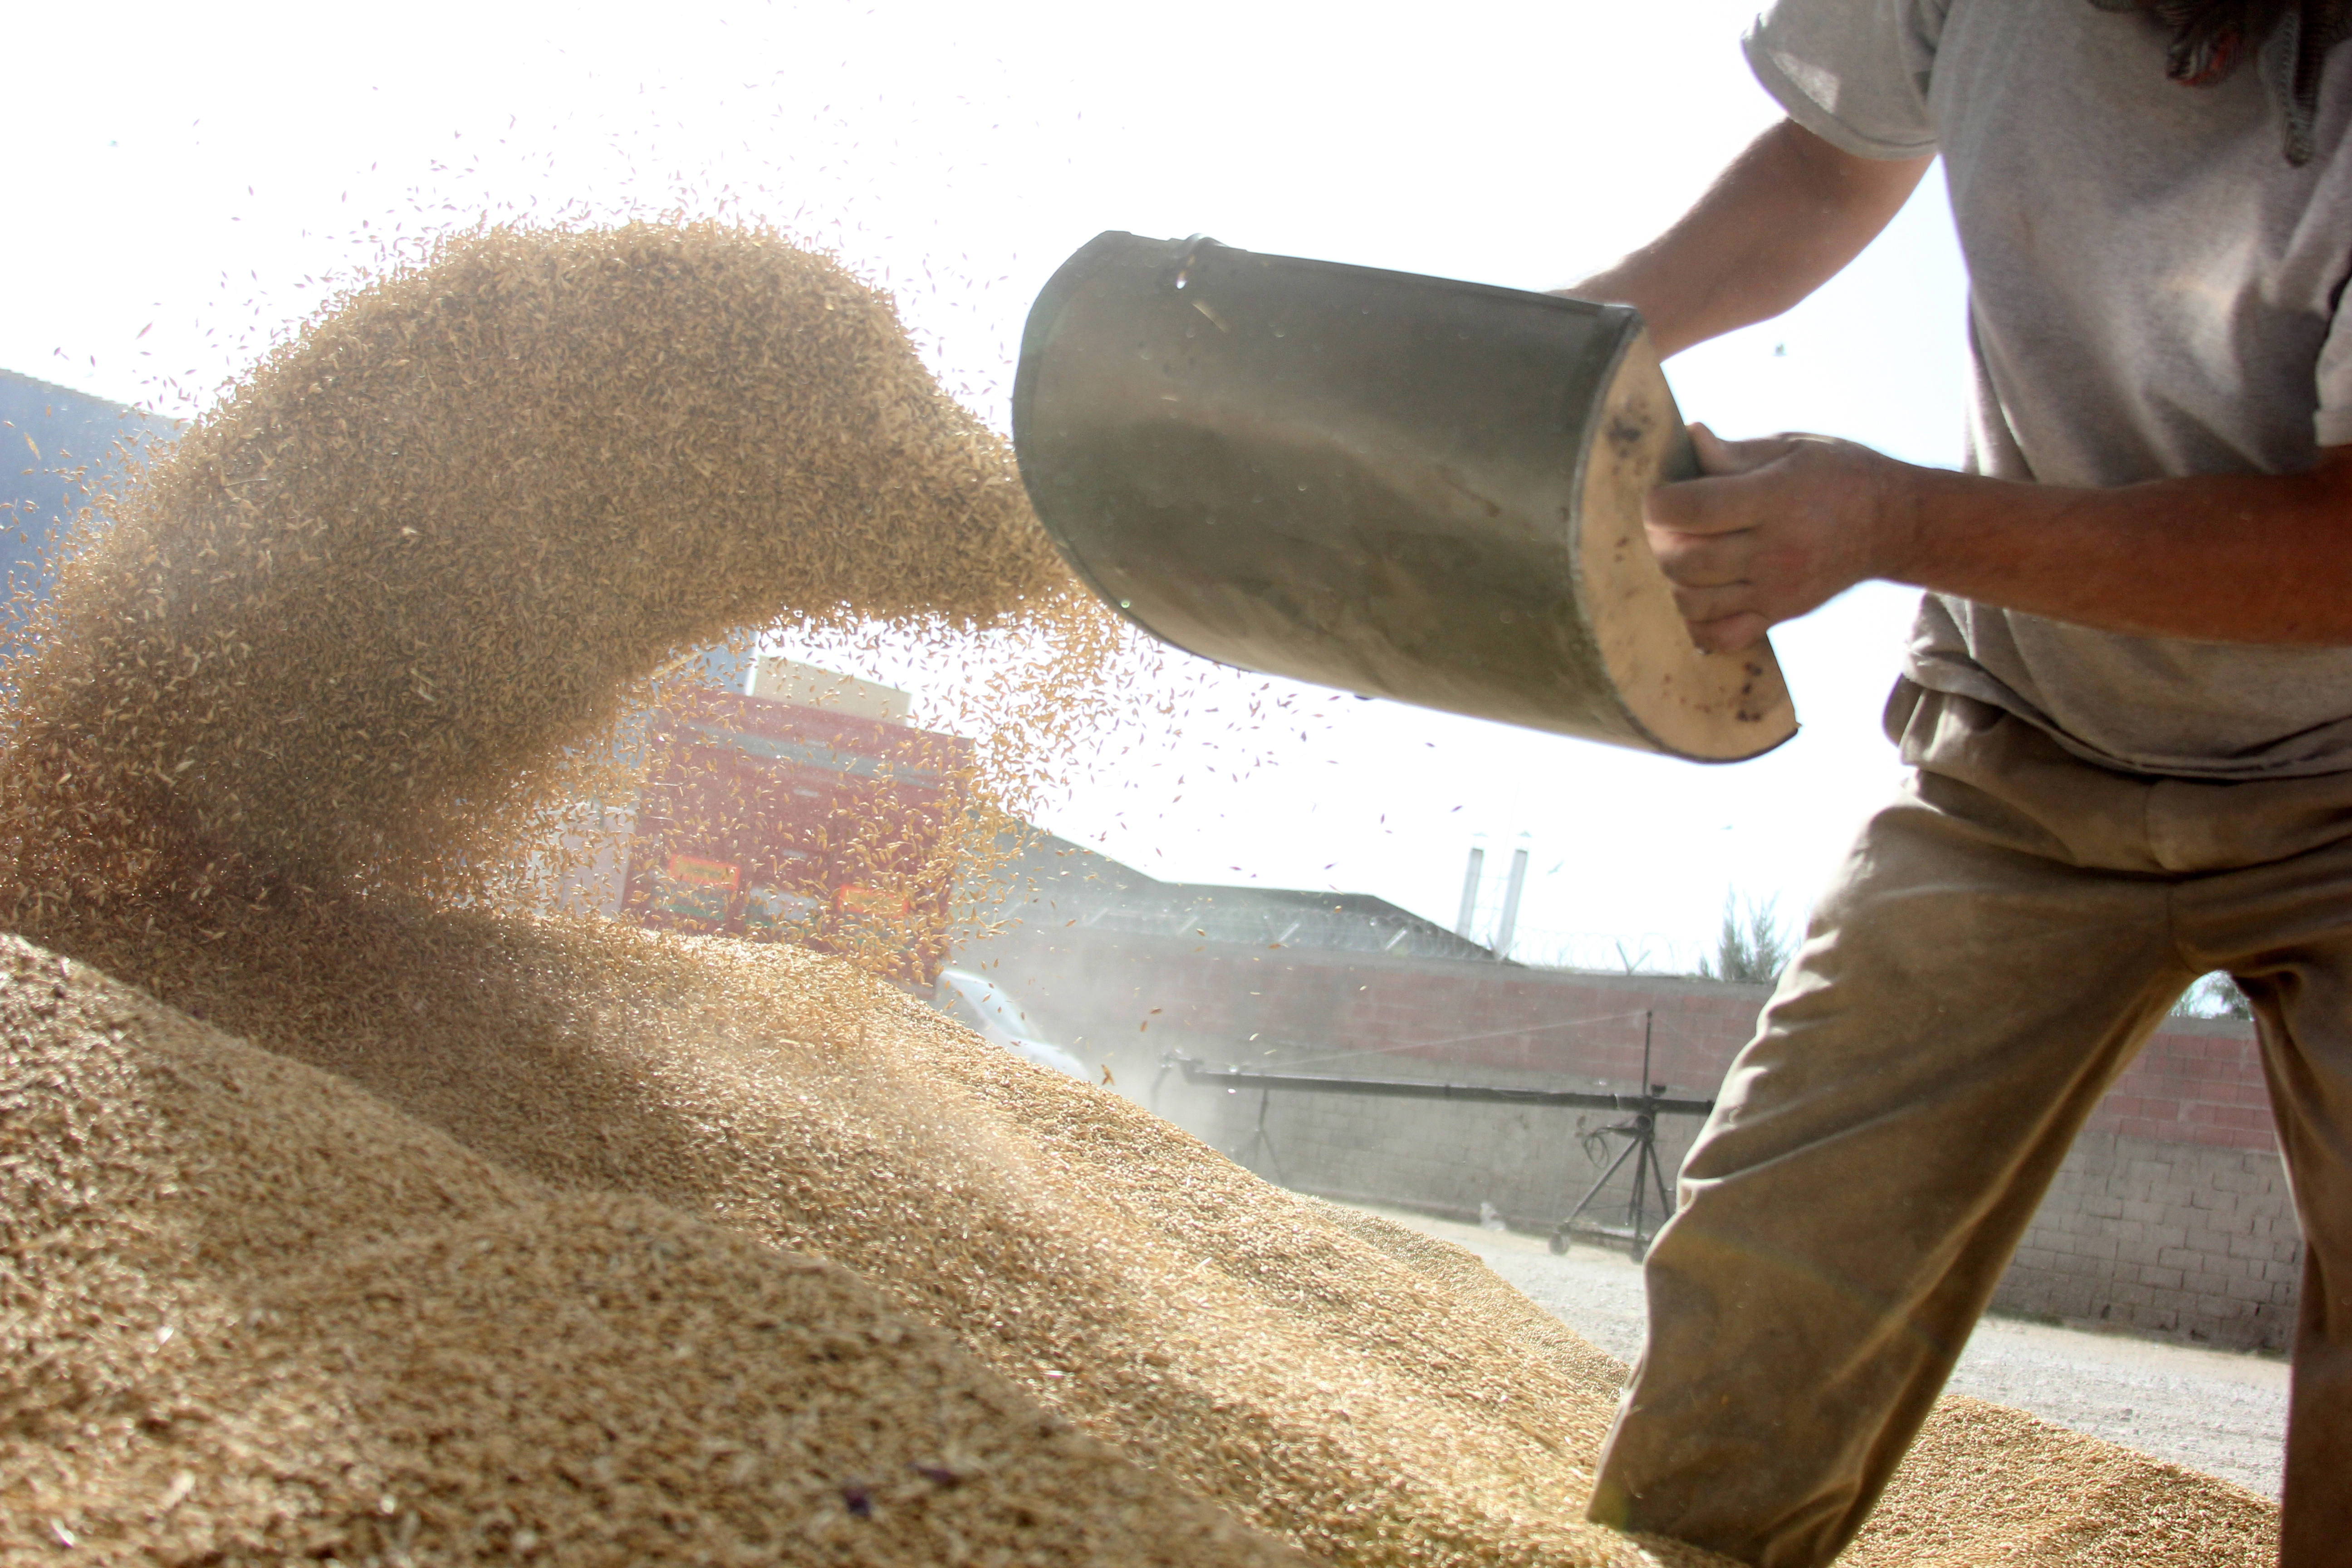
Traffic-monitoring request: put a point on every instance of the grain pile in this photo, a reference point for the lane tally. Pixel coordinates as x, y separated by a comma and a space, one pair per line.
1239, 1342
594, 1246
254, 1316
1988, 1486
1369, 1395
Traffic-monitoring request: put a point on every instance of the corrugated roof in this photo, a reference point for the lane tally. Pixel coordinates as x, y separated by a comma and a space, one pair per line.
1075, 884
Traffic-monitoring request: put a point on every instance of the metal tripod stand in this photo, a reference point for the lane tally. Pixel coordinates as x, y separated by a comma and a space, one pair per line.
1640, 1131
1259, 1139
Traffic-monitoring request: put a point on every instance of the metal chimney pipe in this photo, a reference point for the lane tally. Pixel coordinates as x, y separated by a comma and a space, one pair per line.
1510, 924
1470, 879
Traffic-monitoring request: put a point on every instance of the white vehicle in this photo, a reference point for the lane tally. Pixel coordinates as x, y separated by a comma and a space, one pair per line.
983, 1005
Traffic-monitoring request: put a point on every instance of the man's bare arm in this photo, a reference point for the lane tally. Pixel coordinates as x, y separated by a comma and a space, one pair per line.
1785, 523
1781, 221
1781, 525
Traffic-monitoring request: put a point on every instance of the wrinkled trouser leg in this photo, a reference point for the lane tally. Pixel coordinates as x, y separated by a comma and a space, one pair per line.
2282, 935
1998, 942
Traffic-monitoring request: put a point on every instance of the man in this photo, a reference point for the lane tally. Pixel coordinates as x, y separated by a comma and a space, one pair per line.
2128, 701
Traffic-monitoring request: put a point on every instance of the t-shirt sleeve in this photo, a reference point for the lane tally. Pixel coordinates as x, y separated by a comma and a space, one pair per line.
1852, 72
2332, 424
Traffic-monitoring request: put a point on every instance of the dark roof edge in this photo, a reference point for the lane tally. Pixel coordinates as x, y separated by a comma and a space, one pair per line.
130, 410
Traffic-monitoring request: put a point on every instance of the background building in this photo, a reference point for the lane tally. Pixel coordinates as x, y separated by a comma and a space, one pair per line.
58, 449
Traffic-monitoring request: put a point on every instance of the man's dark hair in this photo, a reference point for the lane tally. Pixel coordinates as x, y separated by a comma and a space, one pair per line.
2210, 38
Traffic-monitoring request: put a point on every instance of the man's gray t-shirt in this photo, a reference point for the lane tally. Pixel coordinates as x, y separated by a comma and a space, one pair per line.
2153, 292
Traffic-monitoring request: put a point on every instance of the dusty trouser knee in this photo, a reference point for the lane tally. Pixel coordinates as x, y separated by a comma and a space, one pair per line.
1874, 1158
1998, 942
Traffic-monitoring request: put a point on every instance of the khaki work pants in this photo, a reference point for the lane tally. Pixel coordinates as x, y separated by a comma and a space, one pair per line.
1998, 943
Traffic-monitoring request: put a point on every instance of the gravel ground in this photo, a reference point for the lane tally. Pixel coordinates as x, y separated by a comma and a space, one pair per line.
2213, 1411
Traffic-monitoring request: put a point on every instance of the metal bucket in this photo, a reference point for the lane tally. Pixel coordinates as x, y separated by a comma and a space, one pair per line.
1399, 486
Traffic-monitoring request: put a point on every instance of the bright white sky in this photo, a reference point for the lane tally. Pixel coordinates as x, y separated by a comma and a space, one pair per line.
190, 172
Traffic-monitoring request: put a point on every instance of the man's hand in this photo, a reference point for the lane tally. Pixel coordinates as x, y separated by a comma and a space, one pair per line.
1776, 528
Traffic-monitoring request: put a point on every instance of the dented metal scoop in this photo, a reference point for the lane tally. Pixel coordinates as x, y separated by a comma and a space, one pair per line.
1399, 486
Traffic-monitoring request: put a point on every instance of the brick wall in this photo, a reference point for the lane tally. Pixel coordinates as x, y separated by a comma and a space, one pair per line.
1134, 996
2171, 1215
2197, 1081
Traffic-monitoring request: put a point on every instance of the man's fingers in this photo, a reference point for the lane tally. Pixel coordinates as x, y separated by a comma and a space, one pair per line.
1722, 619
1703, 560
1700, 506
1719, 458
1715, 454
1702, 605
1763, 534
1729, 634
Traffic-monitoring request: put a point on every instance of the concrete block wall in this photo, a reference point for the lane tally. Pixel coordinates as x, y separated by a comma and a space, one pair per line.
2189, 1240
2172, 1213
2171, 1216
